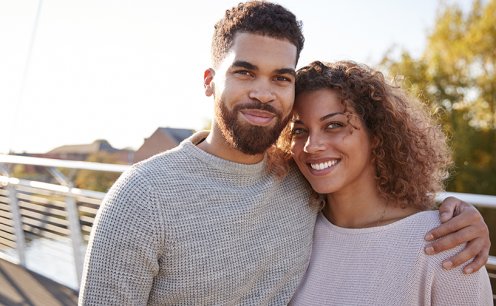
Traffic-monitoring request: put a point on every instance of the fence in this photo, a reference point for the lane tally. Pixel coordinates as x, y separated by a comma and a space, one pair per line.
45, 226
53, 220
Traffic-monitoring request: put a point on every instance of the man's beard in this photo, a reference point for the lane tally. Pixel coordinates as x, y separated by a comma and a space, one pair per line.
249, 139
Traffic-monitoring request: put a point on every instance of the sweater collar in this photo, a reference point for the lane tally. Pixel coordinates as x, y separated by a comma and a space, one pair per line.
229, 166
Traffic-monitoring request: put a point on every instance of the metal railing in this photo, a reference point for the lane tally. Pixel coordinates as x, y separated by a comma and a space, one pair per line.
33, 213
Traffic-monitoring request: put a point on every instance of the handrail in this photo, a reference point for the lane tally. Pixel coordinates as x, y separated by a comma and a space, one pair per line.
68, 164
480, 200
21, 210
491, 263
53, 187
19, 190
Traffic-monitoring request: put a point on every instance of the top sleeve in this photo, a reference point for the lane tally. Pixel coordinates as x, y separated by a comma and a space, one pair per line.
123, 252
453, 287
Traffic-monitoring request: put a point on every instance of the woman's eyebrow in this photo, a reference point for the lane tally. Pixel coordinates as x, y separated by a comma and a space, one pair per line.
331, 115
298, 121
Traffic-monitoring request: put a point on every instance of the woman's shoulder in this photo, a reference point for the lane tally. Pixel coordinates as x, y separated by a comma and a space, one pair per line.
425, 221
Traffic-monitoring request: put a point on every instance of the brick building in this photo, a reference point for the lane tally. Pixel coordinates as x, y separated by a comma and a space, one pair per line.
164, 138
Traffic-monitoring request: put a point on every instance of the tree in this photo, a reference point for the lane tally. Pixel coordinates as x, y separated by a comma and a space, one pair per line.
97, 180
456, 76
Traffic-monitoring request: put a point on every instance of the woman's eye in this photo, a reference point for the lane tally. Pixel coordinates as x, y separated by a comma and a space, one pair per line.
335, 125
297, 131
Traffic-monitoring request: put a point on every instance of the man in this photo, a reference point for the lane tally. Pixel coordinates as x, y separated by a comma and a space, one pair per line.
207, 222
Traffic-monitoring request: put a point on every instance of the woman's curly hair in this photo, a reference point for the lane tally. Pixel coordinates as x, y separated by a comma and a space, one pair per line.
409, 150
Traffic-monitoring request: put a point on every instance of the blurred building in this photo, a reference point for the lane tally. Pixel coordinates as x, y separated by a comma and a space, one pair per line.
83, 151
163, 139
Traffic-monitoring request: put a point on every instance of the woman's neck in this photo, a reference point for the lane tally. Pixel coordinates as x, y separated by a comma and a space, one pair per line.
363, 208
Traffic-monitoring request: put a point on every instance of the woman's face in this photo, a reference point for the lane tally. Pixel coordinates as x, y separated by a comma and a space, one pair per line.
330, 146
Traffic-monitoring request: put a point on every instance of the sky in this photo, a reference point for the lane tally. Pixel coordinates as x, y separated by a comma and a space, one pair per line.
74, 71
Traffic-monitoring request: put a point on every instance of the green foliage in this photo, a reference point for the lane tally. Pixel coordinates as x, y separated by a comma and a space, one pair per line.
97, 180
29, 172
456, 76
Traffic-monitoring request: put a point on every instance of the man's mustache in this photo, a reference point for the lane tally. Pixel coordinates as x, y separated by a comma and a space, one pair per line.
259, 106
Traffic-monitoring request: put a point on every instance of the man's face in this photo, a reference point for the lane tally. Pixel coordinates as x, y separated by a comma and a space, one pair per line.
254, 92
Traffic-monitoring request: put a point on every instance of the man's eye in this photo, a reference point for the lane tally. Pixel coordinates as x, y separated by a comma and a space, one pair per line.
282, 78
243, 72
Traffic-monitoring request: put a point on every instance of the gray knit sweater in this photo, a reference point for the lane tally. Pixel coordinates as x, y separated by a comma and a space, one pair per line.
188, 228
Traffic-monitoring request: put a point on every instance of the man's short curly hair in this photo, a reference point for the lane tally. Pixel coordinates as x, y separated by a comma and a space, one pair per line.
256, 17
409, 149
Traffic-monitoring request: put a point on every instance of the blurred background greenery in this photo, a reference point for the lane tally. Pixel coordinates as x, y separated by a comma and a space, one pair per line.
456, 76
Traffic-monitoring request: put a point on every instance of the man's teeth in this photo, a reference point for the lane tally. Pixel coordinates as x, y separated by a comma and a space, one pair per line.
322, 166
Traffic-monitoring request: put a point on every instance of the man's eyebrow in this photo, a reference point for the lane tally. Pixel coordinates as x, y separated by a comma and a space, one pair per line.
244, 64
250, 66
286, 71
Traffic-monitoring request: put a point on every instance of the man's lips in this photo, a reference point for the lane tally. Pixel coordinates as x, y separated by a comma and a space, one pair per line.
257, 116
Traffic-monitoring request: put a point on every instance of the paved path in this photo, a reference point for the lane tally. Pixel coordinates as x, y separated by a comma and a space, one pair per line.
19, 286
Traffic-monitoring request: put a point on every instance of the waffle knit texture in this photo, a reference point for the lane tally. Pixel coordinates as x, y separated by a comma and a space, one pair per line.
386, 265
188, 228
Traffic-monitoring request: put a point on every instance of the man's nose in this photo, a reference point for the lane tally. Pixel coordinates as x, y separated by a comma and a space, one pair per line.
262, 91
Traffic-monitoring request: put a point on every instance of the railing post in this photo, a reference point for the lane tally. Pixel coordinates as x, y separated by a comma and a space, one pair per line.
75, 234
74, 225
17, 219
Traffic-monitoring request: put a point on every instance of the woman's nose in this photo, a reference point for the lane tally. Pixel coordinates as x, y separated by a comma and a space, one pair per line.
313, 144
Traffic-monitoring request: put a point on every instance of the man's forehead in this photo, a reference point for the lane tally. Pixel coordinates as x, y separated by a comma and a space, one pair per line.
262, 51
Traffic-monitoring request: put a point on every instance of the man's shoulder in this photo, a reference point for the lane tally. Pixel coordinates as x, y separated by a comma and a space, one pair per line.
294, 176
161, 160
177, 156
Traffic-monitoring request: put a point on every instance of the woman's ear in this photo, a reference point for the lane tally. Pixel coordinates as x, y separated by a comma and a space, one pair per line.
375, 142
208, 84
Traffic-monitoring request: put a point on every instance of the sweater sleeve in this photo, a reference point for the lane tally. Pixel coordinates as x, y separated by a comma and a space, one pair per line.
123, 252
453, 287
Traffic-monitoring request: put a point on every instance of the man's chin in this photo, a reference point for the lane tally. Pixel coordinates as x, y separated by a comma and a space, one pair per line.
254, 142
252, 151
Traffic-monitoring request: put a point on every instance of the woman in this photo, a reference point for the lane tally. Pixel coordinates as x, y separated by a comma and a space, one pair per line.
377, 159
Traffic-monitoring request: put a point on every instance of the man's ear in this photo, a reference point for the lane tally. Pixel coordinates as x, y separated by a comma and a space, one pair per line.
208, 84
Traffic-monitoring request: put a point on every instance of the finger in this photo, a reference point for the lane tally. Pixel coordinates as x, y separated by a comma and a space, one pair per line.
447, 208
470, 251
452, 240
478, 262
452, 226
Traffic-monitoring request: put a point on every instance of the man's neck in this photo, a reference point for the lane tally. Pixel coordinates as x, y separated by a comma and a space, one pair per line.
216, 144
